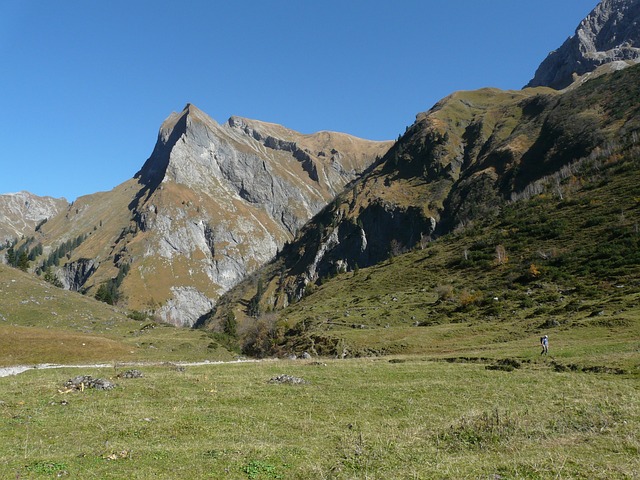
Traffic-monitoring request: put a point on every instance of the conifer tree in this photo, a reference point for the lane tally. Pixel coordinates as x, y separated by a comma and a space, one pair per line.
23, 261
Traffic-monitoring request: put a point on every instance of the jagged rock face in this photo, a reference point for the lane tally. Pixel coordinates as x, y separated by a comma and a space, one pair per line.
349, 241
20, 213
222, 199
75, 274
211, 204
610, 33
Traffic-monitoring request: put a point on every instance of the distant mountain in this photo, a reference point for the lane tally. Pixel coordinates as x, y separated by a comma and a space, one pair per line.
211, 204
609, 35
20, 213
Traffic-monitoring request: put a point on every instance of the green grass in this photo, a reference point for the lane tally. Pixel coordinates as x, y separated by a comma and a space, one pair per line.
360, 418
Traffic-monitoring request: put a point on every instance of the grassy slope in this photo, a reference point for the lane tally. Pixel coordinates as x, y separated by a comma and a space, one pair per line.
571, 271
571, 268
40, 323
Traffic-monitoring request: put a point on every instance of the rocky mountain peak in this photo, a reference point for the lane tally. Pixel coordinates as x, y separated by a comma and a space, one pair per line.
610, 33
210, 204
191, 123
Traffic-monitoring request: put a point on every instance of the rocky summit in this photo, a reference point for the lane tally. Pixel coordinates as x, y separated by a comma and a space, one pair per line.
211, 204
609, 35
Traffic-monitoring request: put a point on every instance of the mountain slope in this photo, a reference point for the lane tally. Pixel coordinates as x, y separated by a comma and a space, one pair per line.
608, 35
211, 204
461, 163
563, 265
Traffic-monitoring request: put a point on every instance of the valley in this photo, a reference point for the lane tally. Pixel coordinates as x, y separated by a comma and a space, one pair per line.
259, 303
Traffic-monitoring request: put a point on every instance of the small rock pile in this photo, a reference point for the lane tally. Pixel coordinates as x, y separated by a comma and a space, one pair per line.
131, 374
288, 379
87, 381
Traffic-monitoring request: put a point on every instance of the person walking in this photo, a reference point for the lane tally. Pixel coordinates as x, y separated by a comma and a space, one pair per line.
544, 341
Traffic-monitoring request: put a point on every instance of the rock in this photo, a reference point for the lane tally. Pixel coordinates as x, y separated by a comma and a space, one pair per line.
131, 374
75, 274
306, 356
87, 381
608, 34
22, 212
288, 379
318, 364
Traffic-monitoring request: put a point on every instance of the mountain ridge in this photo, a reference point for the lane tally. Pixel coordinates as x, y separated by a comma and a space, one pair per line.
210, 204
23, 211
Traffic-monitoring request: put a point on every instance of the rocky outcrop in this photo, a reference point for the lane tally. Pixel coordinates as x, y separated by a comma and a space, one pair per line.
334, 243
75, 274
610, 33
268, 141
22, 212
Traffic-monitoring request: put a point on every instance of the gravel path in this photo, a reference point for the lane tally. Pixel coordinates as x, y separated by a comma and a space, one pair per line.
17, 369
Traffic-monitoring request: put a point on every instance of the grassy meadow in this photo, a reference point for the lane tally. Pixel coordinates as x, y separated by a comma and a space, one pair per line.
374, 418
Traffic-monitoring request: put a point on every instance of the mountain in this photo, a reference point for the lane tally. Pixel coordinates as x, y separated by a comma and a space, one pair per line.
466, 158
20, 213
211, 204
462, 164
609, 35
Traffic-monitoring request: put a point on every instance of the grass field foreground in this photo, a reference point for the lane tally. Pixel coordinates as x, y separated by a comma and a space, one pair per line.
369, 418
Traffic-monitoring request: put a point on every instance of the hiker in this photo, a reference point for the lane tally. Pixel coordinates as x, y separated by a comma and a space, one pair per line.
544, 341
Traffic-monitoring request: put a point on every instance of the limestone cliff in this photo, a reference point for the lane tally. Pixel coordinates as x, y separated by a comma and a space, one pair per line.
609, 34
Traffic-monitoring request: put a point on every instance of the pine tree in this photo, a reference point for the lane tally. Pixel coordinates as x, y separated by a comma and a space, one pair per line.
50, 277
230, 326
254, 304
11, 257
23, 261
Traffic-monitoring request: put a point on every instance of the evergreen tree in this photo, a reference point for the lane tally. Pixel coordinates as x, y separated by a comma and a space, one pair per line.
106, 293
35, 252
253, 309
51, 278
230, 326
23, 261
11, 257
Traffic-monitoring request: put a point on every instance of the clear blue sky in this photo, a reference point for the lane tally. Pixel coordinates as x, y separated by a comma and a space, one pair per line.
85, 85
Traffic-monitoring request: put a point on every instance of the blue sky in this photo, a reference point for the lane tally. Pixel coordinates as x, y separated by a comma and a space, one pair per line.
85, 85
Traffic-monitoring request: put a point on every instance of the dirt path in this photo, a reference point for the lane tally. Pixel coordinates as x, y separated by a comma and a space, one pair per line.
17, 369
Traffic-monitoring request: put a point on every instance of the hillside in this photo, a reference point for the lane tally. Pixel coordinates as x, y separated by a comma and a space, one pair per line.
40, 323
528, 197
